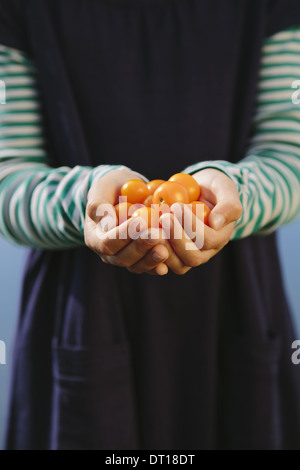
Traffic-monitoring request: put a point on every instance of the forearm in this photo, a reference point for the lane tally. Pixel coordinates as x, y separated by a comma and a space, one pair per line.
269, 189
45, 208
40, 206
268, 178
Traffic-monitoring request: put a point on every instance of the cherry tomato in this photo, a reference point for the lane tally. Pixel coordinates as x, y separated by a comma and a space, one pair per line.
162, 209
189, 183
206, 210
122, 211
153, 185
122, 199
169, 193
136, 191
151, 216
133, 208
148, 201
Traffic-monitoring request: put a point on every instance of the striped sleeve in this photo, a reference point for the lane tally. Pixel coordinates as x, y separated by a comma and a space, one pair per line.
40, 206
268, 178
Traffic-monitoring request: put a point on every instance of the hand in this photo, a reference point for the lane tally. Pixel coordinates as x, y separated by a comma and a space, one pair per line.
115, 246
221, 195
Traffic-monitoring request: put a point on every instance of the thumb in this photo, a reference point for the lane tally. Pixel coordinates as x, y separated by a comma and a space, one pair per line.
225, 212
106, 190
221, 191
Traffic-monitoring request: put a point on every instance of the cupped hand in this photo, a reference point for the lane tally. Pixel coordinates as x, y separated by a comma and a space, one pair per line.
146, 253
192, 242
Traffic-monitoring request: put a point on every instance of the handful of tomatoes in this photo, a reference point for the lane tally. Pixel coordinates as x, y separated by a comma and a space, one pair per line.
150, 201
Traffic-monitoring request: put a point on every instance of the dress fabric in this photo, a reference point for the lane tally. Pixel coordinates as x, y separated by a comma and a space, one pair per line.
105, 359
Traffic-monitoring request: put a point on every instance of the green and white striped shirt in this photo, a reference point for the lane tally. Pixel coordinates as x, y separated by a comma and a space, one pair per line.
268, 178
44, 207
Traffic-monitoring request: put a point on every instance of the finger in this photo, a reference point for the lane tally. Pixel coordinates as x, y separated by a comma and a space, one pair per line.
112, 242
205, 237
174, 263
102, 191
194, 230
192, 225
136, 250
228, 207
219, 190
153, 258
160, 270
183, 246
224, 213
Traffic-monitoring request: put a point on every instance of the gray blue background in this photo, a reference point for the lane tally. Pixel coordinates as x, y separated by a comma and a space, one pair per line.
11, 261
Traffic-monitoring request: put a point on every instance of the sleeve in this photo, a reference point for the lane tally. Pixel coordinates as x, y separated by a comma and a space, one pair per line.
268, 178
40, 206
12, 28
282, 14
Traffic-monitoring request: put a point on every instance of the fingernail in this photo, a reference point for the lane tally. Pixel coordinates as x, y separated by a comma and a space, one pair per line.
219, 221
157, 257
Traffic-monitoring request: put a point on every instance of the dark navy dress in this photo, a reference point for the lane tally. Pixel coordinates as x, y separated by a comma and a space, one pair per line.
106, 359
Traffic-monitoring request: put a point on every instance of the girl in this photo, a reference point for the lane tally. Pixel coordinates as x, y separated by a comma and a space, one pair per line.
101, 91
